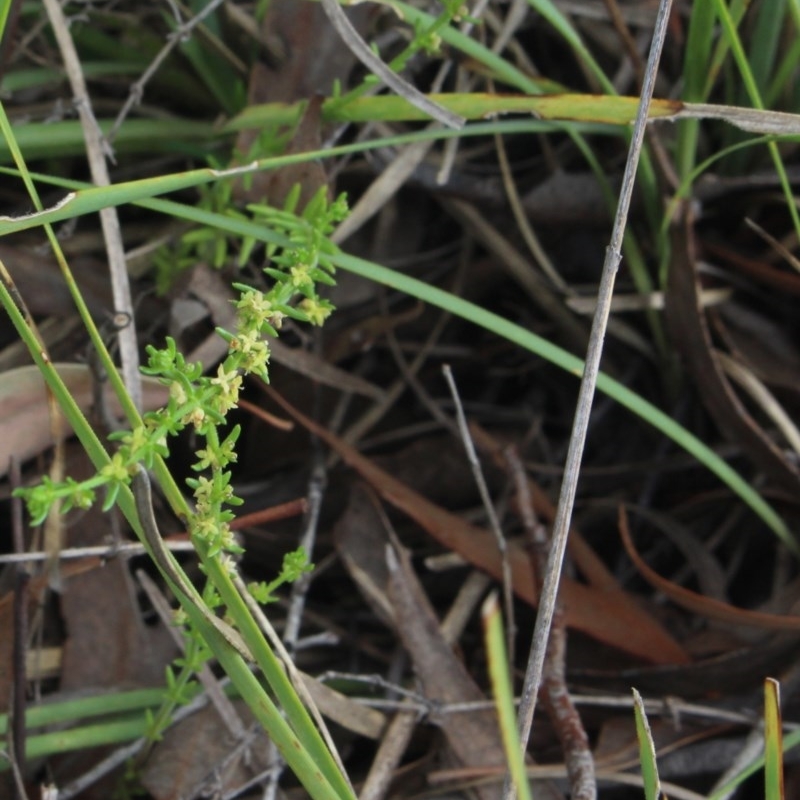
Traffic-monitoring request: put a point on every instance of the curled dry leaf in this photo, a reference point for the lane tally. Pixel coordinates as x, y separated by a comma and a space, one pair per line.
697, 603
689, 330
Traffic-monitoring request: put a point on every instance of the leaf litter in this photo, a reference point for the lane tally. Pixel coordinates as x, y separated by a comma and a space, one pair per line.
422, 505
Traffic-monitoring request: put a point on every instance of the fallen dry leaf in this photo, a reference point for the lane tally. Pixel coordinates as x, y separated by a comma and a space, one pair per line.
24, 412
196, 758
698, 603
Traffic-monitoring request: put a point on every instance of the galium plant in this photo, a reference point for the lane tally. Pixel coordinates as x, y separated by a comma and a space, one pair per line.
297, 270
203, 402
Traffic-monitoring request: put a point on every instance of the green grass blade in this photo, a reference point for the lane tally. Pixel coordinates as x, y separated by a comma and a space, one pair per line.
764, 51
730, 31
790, 741
556, 355
5, 7
773, 741
647, 750
564, 110
139, 190
69, 740
64, 138
695, 73
89, 199
100, 705
503, 694
783, 77
737, 9
565, 29
220, 80
684, 189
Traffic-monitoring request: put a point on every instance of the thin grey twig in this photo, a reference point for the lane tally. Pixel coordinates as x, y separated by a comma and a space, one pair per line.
547, 600
97, 148
180, 34
19, 781
494, 522
176, 12
100, 551
256, 780
410, 376
391, 750
321, 639
555, 694
362, 52
671, 708
211, 784
377, 681
316, 492
401, 167
359, 428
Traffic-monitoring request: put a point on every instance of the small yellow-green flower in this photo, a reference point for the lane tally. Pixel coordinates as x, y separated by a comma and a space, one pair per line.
195, 417
316, 310
177, 392
254, 307
229, 384
300, 277
204, 527
116, 471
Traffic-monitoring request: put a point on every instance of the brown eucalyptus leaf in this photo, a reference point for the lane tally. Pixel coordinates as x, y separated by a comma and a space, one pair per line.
24, 412
699, 604
736, 671
108, 643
